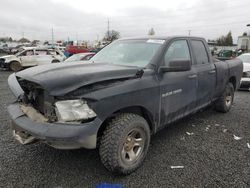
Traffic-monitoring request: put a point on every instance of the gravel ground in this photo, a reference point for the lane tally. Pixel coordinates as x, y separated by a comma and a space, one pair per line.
211, 156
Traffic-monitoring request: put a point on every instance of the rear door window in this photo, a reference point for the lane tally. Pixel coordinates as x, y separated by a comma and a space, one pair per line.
41, 52
200, 52
29, 52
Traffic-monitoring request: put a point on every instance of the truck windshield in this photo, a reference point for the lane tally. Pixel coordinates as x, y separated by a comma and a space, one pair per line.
129, 52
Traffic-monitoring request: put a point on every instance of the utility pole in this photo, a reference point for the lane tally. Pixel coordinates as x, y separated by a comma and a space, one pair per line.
248, 25
108, 28
76, 38
52, 37
189, 32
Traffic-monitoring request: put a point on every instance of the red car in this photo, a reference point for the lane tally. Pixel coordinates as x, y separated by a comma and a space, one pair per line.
70, 50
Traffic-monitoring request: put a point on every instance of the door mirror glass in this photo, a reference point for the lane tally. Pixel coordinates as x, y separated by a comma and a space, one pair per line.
176, 65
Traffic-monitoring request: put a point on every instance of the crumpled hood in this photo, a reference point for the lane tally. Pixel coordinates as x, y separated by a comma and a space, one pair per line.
61, 78
246, 67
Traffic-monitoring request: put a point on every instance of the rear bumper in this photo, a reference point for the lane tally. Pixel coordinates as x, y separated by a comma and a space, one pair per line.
245, 84
58, 135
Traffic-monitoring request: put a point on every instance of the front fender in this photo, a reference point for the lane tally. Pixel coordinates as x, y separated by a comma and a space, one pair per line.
9, 60
14, 86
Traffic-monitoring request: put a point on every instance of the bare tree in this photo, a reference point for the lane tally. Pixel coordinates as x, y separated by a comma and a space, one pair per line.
111, 35
151, 31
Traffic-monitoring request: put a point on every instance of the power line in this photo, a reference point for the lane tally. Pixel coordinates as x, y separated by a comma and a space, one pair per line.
108, 28
52, 36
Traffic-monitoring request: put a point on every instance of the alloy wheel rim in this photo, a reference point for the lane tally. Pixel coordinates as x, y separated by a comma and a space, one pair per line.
133, 146
228, 100
14, 66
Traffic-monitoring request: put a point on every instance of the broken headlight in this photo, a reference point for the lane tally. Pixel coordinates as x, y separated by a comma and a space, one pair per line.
73, 110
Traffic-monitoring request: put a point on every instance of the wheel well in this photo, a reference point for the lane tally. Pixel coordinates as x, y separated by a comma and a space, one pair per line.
13, 61
233, 81
135, 110
55, 61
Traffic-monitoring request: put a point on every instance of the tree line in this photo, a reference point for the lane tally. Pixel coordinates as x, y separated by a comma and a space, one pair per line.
225, 40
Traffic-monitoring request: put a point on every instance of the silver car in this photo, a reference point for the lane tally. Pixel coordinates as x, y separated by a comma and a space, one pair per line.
245, 80
30, 57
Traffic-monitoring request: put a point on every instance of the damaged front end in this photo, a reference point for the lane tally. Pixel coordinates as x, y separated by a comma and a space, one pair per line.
33, 99
36, 103
37, 116
58, 104
30, 98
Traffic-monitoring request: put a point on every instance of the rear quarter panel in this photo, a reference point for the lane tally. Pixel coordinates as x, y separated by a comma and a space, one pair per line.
226, 70
222, 76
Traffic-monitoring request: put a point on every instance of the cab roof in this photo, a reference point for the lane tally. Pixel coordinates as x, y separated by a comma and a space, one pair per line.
160, 37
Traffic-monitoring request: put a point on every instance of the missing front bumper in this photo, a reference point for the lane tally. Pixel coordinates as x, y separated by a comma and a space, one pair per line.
58, 135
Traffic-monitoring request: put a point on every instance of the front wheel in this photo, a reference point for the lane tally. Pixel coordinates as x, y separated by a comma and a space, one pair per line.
15, 66
224, 103
125, 143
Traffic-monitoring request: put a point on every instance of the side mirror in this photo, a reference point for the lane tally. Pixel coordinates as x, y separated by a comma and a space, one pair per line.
176, 66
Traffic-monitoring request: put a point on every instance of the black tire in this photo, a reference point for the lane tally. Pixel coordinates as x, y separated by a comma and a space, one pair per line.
15, 66
117, 143
224, 103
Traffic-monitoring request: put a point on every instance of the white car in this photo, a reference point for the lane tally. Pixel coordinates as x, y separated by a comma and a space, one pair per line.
245, 80
31, 57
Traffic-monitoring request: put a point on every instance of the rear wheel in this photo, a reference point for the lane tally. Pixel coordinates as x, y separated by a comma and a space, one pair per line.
15, 66
124, 143
224, 103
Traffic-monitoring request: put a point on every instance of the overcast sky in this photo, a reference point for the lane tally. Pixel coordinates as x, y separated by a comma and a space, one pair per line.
87, 20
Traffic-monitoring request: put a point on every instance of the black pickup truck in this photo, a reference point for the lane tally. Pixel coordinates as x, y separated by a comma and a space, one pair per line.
127, 92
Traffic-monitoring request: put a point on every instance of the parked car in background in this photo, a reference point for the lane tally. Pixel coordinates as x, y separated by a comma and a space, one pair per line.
4, 49
31, 56
245, 80
17, 49
80, 57
227, 54
62, 48
70, 50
